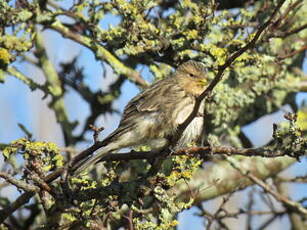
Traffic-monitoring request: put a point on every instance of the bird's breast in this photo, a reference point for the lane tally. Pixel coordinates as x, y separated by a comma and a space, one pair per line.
183, 110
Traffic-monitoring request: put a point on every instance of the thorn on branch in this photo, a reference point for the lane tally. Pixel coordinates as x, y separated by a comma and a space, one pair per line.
275, 127
25, 130
129, 219
290, 116
96, 132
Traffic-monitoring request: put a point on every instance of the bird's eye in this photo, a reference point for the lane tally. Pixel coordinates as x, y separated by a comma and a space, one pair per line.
191, 75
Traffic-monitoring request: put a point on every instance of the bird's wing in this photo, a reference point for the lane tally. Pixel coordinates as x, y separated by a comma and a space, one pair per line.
154, 99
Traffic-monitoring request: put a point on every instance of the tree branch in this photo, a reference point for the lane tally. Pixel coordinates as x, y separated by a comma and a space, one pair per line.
18, 183
288, 203
101, 53
204, 152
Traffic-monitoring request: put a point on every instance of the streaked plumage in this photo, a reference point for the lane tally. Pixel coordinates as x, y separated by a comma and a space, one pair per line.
154, 115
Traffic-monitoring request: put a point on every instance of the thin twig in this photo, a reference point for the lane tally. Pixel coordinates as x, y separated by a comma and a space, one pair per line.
291, 205
291, 54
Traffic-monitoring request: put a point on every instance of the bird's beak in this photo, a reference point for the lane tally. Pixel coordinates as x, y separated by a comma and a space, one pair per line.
203, 82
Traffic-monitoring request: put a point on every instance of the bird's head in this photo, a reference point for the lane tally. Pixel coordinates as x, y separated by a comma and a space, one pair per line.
192, 77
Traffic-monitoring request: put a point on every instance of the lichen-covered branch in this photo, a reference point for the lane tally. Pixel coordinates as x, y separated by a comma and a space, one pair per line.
19, 184
101, 54
25, 79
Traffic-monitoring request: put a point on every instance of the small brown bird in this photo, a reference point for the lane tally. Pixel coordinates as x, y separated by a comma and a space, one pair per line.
153, 116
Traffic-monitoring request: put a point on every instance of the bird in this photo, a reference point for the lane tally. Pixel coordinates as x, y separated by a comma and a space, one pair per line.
153, 116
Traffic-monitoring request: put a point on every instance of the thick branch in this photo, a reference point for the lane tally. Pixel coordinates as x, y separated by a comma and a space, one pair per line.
204, 152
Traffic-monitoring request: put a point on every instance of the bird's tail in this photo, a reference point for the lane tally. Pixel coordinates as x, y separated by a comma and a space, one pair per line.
92, 160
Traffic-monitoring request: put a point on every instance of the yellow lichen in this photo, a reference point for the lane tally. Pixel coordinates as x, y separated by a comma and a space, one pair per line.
5, 56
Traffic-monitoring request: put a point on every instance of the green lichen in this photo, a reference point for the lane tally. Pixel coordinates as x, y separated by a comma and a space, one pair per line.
302, 118
47, 152
5, 57
11, 42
